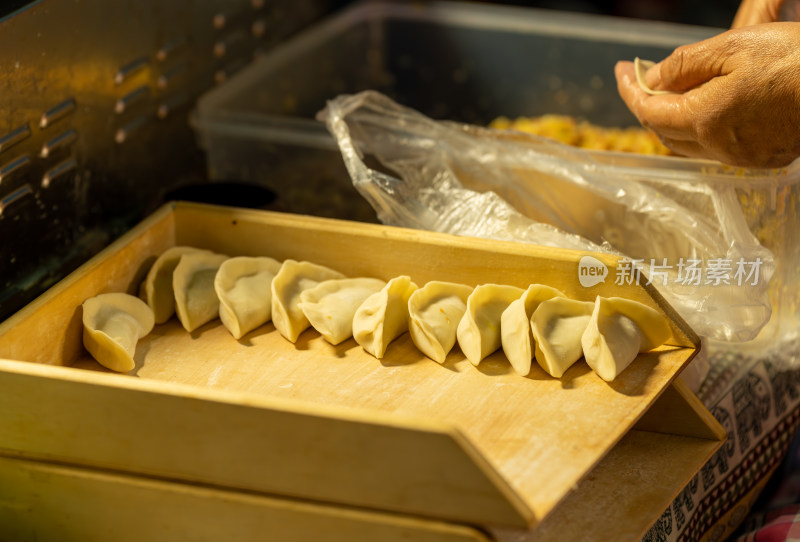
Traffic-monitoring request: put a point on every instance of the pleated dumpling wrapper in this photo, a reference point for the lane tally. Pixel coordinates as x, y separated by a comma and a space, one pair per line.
383, 316
112, 325
158, 291
434, 312
292, 279
558, 325
478, 332
244, 288
196, 302
618, 330
331, 305
515, 326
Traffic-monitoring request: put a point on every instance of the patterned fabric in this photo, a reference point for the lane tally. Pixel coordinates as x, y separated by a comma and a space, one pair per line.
778, 518
759, 405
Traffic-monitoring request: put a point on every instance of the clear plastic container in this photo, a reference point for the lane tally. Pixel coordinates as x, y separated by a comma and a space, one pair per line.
457, 61
472, 63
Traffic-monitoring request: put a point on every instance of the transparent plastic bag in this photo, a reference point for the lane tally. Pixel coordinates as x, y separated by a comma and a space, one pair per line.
467, 180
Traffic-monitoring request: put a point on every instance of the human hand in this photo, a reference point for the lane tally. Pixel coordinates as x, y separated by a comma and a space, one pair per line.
736, 96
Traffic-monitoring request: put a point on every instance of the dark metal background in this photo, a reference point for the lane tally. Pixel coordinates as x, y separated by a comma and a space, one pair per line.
94, 100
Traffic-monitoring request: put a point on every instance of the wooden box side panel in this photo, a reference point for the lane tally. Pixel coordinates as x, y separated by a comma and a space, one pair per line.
326, 454
49, 330
45, 502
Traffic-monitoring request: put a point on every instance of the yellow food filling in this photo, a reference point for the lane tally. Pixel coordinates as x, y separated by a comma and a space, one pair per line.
583, 134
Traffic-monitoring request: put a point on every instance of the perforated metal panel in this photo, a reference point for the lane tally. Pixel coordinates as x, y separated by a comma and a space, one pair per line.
94, 99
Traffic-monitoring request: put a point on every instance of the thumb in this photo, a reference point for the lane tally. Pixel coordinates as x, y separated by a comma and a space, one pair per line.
690, 66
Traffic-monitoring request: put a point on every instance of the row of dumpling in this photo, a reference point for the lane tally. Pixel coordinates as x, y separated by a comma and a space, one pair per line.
538, 323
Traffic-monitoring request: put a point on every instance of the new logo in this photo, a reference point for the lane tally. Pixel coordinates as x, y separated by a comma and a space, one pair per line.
591, 271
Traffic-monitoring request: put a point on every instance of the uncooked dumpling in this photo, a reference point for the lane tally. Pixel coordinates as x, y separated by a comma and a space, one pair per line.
618, 330
112, 325
196, 302
158, 292
331, 305
383, 316
434, 313
641, 66
557, 327
478, 332
244, 288
515, 326
292, 279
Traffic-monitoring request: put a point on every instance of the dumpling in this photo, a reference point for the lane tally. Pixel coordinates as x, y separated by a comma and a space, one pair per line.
434, 312
618, 330
383, 316
292, 279
557, 327
112, 325
478, 332
515, 326
331, 305
196, 302
158, 292
641, 67
244, 288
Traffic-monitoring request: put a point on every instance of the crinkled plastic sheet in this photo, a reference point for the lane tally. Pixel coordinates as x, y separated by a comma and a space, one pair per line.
467, 180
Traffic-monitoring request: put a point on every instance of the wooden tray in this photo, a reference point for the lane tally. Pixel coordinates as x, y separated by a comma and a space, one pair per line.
310, 421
